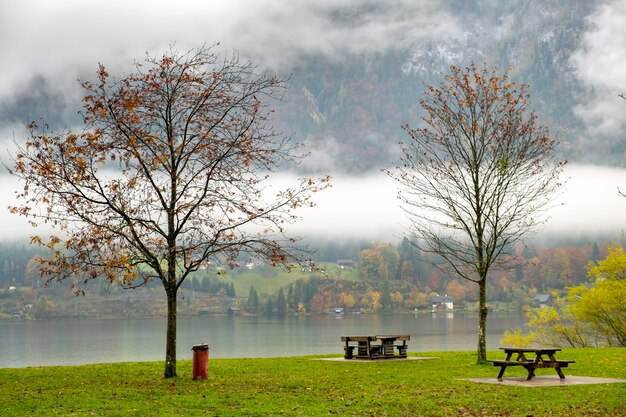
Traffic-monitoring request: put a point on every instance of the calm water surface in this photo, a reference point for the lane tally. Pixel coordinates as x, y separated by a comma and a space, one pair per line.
70, 342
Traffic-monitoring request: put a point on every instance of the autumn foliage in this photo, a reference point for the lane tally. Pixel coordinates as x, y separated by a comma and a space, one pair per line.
171, 172
477, 175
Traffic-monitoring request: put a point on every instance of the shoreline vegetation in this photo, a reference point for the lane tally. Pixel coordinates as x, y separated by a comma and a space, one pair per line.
293, 386
259, 292
149, 304
360, 279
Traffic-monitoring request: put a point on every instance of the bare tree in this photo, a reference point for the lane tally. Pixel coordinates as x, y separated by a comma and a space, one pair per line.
171, 172
477, 177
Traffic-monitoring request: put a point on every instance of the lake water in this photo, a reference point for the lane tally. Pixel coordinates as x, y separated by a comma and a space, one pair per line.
26, 343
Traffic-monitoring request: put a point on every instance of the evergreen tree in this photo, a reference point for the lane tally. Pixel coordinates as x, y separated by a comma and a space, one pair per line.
385, 296
292, 305
205, 284
281, 303
519, 274
595, 252
269, 306
529, 252
253, 301
298, 292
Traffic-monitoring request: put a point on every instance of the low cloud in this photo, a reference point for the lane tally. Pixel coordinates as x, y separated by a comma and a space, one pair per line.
591, 202
600, 66
366, 207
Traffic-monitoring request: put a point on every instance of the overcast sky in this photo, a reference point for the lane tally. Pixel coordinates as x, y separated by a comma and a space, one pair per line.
64, 39
61, 40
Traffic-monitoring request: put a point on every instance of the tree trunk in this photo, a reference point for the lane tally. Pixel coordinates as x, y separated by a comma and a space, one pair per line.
482, 322
170, 344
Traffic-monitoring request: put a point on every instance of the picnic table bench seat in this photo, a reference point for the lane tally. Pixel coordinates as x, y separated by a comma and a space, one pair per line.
402, 350
510, 363
550, 364
554, 364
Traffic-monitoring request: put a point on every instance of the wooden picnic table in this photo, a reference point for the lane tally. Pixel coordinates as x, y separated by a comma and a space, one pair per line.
543, 358
375, 347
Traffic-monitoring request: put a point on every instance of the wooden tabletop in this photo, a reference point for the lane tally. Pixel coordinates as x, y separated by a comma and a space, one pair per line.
358, 338
529, 350
394, 336
373, 338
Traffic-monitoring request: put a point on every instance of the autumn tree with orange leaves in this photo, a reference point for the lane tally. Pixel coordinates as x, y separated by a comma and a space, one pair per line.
170, 173
477, 177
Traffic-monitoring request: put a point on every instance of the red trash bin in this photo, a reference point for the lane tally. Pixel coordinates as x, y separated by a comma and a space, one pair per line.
200, 361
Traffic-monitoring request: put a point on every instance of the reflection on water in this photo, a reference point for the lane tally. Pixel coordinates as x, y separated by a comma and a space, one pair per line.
71, 342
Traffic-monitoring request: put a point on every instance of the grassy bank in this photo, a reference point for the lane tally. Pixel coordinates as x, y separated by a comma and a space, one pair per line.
305, 387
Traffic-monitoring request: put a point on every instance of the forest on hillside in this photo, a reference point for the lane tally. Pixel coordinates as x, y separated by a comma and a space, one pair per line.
378, 277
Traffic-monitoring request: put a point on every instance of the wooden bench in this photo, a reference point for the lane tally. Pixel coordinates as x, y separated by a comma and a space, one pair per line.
510, 363
364, 347
392, 342
348, 352
554, 364
402, 350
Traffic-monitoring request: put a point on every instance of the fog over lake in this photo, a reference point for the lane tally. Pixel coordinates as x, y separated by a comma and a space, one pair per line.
366, 207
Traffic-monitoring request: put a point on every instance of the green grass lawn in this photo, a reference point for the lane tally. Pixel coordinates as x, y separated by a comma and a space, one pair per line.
301, 386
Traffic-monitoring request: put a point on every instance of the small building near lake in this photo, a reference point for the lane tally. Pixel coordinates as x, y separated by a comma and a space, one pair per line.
541, 300
442, 303
345, 263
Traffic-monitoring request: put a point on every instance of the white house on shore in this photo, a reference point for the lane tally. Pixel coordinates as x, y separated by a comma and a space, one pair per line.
442, 303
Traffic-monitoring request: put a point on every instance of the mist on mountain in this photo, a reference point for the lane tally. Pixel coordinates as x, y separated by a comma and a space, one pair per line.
356, 70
